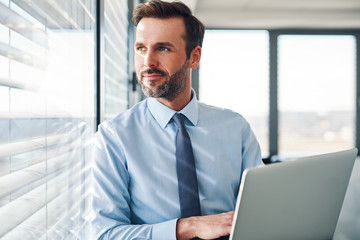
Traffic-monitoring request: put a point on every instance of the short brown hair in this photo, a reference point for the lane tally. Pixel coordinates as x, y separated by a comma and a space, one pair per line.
159, 9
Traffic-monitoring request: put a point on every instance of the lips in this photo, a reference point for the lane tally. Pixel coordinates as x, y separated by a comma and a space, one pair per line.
152, 77
152, 71
152, 74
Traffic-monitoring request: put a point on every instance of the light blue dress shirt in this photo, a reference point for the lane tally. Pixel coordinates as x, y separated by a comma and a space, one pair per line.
135, 191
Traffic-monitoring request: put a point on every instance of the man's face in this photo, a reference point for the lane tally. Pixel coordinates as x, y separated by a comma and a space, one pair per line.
160, 58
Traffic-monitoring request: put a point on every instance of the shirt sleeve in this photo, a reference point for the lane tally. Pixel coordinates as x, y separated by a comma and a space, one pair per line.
110, 201
251, 153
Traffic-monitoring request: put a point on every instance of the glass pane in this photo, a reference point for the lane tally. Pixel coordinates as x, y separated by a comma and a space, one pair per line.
316, 93
116, 51
47, 117
234, 74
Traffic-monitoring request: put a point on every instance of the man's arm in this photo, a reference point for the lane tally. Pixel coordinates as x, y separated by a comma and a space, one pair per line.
204, 227
110, 203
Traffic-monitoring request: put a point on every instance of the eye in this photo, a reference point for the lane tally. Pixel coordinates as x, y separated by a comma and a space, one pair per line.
163, 49
140, 49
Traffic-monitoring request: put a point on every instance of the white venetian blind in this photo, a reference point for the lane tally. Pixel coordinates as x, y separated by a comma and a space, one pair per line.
46, 117
116, 77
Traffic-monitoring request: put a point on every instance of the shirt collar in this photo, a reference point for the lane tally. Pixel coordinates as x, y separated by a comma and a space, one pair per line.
163, 114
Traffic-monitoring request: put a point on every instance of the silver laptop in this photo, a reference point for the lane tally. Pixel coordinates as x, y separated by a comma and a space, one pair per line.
295, 199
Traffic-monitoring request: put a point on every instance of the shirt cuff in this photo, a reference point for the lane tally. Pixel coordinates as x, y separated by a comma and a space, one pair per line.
165, 230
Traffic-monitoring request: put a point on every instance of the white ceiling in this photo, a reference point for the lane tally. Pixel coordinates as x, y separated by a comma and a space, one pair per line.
274, 14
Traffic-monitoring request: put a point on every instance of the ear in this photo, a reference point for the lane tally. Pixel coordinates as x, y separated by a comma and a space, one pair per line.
195, 57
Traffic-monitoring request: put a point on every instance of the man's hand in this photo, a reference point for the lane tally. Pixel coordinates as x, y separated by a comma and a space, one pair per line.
204, 227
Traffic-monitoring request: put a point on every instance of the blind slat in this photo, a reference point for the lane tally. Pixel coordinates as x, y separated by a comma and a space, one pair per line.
26, 145
40, 171
63, 228
60, 215
21, 56
20, 84
22, 26
22, 208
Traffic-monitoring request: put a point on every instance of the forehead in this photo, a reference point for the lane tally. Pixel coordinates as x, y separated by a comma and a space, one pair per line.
161, 30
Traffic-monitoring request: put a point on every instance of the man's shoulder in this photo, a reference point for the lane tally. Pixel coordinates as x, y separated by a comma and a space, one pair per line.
127, 117
210, 111
137, 110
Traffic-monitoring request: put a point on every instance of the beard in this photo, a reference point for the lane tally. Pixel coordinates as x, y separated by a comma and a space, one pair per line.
171, 88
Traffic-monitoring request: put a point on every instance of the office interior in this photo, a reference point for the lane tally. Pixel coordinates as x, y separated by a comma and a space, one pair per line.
292, 68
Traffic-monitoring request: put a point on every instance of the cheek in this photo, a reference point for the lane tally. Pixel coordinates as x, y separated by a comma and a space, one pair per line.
174, 66
137, 62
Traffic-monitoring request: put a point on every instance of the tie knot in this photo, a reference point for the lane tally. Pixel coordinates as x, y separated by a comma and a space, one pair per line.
179, 119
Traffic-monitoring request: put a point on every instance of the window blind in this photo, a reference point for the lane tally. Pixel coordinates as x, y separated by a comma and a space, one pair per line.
46, 117
116, 77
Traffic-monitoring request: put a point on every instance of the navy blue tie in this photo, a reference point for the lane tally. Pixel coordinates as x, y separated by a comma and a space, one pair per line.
186, 173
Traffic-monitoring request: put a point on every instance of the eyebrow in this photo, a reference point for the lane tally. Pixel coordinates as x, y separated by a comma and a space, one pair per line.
165, 44
159, 44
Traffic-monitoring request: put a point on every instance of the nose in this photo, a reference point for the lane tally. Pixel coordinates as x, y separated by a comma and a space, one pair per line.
150, 59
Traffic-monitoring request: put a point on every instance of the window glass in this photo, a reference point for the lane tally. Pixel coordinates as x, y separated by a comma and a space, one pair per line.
116, 75
46, 118
234, 74
316, 93
4, 34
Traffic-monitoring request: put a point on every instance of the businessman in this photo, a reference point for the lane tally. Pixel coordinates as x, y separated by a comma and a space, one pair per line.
169, 167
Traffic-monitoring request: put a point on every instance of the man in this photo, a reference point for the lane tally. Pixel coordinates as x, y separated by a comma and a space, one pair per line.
136, 184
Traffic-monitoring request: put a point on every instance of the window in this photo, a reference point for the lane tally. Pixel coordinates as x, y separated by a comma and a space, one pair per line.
234, 74
116, 61
312, 81
46, 117
317, 77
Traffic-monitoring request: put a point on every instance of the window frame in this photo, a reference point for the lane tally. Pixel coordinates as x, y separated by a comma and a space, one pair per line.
274, 111
273, 137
